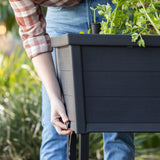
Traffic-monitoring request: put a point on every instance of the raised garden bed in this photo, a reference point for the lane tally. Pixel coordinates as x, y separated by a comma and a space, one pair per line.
109, 83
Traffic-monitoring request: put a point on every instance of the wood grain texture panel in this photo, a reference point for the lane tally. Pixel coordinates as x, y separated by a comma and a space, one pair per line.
66, 81
69, 103
101, 40
122, 110
122, 83
96, 58
63, 58
123, 127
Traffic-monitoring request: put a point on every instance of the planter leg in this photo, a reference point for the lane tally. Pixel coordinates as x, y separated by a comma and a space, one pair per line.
72, 147
83, 146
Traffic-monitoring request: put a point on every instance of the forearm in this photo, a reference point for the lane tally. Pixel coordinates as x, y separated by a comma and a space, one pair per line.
44, 67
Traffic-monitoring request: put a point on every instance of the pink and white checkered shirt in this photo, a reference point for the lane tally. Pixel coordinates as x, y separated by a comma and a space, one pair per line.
32, 24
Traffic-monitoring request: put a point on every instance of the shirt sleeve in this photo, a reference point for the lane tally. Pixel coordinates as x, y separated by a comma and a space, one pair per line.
32, 27
32, 24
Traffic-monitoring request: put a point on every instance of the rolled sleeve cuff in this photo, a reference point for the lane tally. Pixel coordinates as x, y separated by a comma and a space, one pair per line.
37, 45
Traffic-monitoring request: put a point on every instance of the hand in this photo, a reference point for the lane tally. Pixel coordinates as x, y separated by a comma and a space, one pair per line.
59, 117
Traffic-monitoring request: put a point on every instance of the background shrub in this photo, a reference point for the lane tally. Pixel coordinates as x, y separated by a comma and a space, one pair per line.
20, 103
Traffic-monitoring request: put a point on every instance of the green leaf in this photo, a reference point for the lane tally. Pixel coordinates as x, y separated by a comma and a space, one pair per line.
141, 43
135, 37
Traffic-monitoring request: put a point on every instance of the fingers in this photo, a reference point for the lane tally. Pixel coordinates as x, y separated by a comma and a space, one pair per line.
61, 128
59, 117
63, 132
63, 116
59, 124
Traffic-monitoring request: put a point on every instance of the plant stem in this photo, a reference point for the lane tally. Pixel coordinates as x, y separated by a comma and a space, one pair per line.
154, 8
94, 10
95, 15
157, 30
114, 15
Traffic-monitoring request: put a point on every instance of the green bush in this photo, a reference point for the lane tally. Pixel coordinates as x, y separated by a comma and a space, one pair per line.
147, 146
20, 103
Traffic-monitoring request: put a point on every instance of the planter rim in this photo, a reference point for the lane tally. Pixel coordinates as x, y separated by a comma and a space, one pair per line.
102, 40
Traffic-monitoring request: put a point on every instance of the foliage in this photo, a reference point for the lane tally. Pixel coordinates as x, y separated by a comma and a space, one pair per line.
136, 17
147, 146
20, 103
96, 146
7, 16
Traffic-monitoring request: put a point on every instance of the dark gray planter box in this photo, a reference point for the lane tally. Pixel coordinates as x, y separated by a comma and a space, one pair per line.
109, 83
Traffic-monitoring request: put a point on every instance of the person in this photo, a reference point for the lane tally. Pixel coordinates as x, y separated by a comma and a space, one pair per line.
63, 16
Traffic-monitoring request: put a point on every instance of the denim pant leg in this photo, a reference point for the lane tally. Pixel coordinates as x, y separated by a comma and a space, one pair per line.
61, 20
118, 146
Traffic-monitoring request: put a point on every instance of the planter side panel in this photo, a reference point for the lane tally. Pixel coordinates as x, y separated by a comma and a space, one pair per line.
70, 78
65, 77
121, 84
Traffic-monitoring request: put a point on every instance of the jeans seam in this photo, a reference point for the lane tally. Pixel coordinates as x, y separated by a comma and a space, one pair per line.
88, 12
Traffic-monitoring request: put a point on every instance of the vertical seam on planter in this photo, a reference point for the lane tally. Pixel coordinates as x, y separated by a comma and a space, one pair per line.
84, 98
78, 89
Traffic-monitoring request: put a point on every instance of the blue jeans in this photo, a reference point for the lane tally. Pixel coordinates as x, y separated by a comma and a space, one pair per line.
61, 20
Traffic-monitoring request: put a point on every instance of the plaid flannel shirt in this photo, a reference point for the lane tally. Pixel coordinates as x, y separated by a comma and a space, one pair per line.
32, 24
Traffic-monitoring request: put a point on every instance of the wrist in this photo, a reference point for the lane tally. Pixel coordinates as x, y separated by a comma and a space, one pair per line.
54, 98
